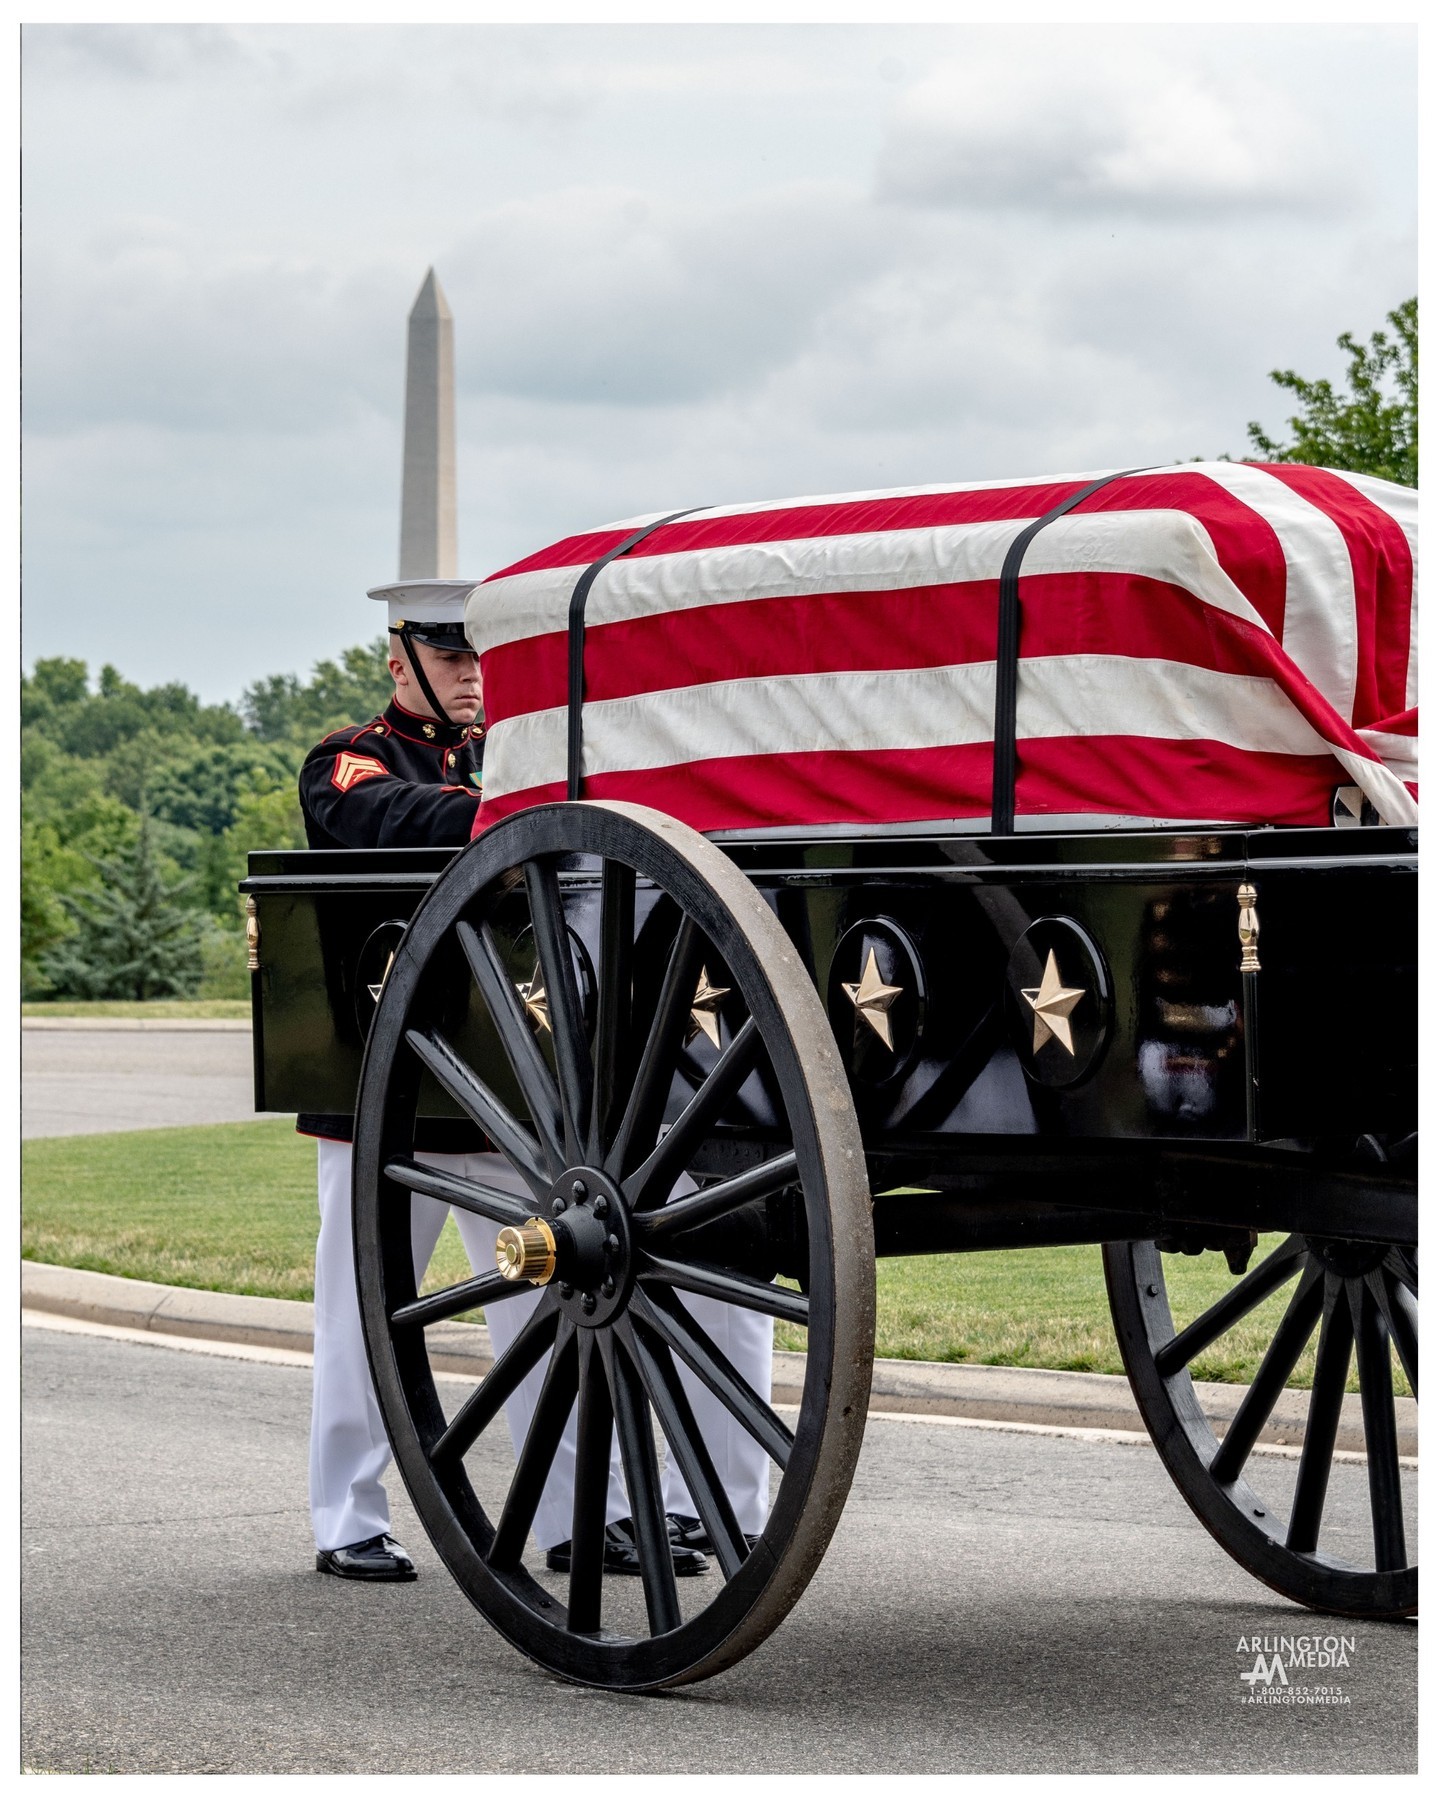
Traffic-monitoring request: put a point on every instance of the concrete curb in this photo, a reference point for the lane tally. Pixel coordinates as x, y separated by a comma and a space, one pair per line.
957, 1390
48, 1024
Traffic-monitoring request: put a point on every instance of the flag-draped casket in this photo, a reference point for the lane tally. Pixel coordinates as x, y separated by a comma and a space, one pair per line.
1202, 643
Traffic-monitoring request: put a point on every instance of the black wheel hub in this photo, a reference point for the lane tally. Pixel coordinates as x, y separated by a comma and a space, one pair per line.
1350, 1259
593, 1246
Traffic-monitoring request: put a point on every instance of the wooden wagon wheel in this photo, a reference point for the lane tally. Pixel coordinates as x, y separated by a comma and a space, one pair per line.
590, 1146
1362, 1299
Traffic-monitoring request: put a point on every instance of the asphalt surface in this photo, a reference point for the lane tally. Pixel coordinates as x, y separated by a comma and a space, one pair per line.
993, 1601
74, 1082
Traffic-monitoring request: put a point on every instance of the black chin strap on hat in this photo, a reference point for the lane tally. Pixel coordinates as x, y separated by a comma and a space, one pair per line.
405, 633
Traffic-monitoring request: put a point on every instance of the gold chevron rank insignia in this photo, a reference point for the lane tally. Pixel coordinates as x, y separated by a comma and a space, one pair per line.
350, 769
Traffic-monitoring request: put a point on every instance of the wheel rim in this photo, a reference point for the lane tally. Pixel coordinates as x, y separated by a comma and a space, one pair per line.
588, 1145
1357, 1302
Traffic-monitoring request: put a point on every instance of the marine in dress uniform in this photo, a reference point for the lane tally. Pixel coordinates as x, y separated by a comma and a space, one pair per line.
412, 777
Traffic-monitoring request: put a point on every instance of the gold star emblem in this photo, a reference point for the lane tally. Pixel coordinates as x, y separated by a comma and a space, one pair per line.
1052, 1003
376, 988
532, 992
705, 1010
872, 999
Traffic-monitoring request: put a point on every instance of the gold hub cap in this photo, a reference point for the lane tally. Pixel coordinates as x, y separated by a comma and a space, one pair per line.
526, 1252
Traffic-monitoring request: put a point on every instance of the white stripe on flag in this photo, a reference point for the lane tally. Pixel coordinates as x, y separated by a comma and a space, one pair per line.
1319, 632
1155, 544
1403, 506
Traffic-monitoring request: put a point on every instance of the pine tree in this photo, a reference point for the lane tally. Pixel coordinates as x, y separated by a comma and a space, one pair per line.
131, 942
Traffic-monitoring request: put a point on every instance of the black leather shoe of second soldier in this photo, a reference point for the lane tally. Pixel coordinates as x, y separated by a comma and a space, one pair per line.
693, 1535
622, 1557
373, 1559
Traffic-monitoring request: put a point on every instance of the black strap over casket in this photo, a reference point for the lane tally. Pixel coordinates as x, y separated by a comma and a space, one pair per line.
577, 642
1007, 654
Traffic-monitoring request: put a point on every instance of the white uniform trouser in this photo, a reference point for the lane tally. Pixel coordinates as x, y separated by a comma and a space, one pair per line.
348, 1448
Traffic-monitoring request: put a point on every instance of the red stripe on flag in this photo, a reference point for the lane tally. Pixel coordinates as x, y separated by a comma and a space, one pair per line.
1115, 776
832, 518
1384, 586
895, 628
1403, 724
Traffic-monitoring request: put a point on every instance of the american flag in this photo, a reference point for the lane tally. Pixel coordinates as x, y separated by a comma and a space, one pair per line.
1201, 643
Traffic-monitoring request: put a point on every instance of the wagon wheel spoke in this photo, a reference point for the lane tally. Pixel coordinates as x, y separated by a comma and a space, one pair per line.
458, 1190
713, 1202
677, 1420
613, 1005
594, 1430
640, 1125
529, 1344
1291, 1337
567, 1024
1241, 1299
522, 1052
1327, 1394
720, 1284
658, 1173
642, 1483
431, 1309
496, 1120
1377, 1408
537, 1457
1402, 1319
1402, 1265
694, 1345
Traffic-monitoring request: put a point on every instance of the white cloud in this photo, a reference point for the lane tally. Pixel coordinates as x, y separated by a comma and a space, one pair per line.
1133, 130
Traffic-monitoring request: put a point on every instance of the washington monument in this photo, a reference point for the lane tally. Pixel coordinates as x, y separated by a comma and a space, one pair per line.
427, 493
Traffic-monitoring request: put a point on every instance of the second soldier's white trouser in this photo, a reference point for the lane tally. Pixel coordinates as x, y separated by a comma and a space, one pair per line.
348, 1448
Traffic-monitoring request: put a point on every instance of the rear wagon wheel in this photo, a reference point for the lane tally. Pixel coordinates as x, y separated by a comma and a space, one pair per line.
1361, 1298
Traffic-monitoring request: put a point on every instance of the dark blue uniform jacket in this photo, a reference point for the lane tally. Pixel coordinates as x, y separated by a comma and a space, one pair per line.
398, 782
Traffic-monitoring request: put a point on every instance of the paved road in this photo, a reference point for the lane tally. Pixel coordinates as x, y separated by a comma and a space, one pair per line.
83, 1081
992, 1602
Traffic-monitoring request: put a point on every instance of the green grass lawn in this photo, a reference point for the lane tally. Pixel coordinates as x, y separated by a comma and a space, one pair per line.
136, 1009
232, 1207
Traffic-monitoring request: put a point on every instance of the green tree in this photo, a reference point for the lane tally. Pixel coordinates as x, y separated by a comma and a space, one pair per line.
338, 693
131, 941
1373, 428
44, 921
202, 787
97, 752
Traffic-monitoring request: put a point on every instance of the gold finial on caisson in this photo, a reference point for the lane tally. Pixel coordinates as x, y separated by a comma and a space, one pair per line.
526, 1252
1249, 930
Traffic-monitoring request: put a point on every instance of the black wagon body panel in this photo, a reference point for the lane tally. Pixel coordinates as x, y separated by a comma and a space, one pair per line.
962, 1102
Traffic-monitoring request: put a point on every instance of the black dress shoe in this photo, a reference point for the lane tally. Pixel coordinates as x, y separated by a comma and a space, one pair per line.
622, 1554
373, 1559
693, 1535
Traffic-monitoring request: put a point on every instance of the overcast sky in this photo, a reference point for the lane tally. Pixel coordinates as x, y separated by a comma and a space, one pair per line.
688, 265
